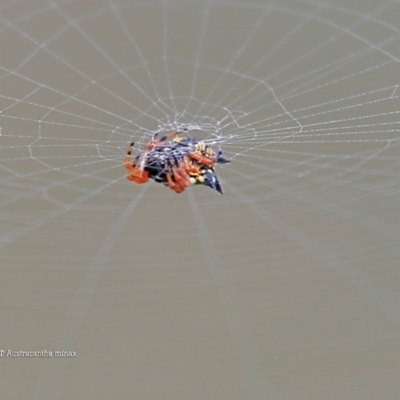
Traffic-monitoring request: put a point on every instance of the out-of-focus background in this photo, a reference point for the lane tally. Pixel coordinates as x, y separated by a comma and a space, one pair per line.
285, 287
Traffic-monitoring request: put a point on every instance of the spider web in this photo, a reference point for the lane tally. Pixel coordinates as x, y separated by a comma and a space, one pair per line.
302, 96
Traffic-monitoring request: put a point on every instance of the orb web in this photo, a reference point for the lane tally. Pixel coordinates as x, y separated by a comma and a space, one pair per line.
302, 96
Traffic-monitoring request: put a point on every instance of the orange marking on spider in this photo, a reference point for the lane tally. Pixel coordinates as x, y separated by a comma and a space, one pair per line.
176, 162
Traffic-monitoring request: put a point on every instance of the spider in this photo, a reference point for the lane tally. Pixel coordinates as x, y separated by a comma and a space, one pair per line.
176, 161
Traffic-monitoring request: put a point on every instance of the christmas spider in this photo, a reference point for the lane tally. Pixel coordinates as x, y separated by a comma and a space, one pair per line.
176, 162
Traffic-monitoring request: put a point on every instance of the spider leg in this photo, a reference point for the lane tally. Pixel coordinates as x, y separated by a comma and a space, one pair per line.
127, 162
179, 173
173, 185
181, 176
192, 169
178, 179
154, 142
208, 162
170, 135
135, 174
